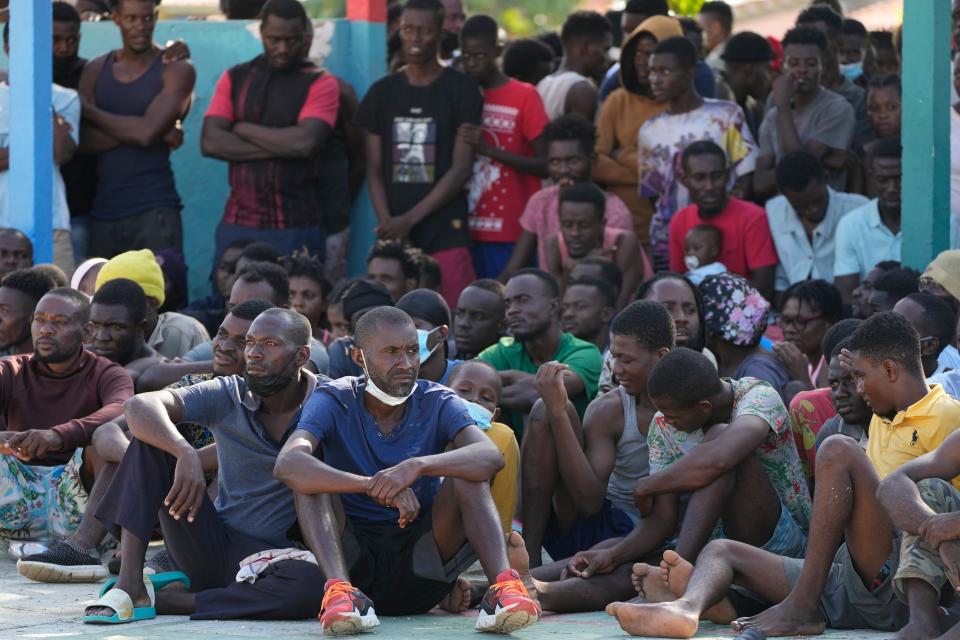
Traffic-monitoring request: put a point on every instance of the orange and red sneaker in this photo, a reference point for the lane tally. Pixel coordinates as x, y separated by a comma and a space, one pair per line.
345, 610
507, 606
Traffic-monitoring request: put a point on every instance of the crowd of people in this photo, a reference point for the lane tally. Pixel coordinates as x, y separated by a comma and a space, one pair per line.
634, 336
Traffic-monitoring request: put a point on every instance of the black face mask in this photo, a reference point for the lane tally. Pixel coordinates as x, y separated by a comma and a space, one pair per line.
268, 385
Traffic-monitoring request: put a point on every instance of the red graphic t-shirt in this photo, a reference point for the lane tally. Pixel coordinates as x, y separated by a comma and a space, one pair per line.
513, 117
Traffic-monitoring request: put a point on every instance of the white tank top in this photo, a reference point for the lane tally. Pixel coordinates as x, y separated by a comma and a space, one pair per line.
554, 88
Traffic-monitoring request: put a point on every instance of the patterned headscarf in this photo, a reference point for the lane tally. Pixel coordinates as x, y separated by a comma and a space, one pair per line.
733, 309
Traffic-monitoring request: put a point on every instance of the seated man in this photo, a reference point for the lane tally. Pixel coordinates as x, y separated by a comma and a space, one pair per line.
118, 318
170, 333
584, 232
16, 250
578, 481
431, 317
383, 446
479, 320
849, 587
51, 401
161, 471
75, 559
588, 305
533, 301
20, 291
359, 296
728, 446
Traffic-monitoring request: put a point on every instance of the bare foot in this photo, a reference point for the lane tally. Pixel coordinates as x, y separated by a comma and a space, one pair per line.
784, 619
676, 572
519, 561
649, 583
663, 620
458, 600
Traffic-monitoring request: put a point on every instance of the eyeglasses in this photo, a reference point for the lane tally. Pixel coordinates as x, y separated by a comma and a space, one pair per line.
798, 322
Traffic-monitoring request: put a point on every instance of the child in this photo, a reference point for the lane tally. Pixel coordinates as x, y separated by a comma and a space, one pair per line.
478, 383
510, 157
701, 248
583, 232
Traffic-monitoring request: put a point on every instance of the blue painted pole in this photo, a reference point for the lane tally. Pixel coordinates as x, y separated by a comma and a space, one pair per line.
31, 124
926, 131
368, 55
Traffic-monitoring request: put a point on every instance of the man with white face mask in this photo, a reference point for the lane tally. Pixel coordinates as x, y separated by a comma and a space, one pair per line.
431, 317
366, 463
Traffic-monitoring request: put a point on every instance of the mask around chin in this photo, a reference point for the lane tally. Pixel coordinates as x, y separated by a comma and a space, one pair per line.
386, 398
852, 71
269, 385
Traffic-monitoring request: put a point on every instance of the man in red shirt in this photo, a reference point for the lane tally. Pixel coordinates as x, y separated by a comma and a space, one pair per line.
269, 118
511, 155
748, 248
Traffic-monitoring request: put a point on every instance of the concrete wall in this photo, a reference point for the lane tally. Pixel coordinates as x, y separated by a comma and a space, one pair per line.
215, 46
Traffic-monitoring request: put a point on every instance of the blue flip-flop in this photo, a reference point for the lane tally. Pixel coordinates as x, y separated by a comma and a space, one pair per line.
123, 609
158, 580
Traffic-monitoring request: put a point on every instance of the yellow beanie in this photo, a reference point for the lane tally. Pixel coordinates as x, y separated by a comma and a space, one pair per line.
141, 267
945, 271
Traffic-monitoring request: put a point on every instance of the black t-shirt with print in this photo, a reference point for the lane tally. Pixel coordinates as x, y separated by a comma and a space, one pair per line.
417, 128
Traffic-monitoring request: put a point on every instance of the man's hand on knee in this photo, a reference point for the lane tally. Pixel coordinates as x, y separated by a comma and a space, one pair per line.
189, 487
940, 528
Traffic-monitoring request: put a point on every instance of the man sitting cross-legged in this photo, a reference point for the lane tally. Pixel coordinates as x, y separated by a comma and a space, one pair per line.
376, 514
577, 482
725, 443
75, 559
250, 417
849, 587
51, 403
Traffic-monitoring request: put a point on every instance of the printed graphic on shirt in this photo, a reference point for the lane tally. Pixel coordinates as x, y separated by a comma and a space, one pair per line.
414, 150
486, 204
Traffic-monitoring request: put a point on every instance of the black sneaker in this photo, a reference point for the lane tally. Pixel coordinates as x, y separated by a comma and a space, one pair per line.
61, 563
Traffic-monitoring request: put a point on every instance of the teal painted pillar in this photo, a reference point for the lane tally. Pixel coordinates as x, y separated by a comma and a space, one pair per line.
368, 47
926, 131
31, 129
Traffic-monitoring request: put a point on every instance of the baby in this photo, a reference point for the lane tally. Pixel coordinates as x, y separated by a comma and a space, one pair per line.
701, 248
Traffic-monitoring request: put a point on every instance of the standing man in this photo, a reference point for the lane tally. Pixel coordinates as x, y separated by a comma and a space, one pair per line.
871, 234
716, 18
804, 219
270, 118
586, 37
746, 62
804, 115
66, 130
132, 107
511, 153
688, 117
533, 318
454, 17
416, 165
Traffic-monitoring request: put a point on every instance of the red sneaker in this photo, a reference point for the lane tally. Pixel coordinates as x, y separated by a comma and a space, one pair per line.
345, 610
507, 606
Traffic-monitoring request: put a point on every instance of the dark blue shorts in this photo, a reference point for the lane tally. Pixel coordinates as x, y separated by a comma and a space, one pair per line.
489, 258
585, 532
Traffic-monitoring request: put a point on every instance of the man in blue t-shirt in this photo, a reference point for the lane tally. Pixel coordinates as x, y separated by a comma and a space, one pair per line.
366, 462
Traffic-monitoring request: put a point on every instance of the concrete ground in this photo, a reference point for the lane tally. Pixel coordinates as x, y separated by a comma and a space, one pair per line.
37, 611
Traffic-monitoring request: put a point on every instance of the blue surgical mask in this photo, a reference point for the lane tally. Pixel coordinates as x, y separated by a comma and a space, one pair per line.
852, 71
480, 414
423, 337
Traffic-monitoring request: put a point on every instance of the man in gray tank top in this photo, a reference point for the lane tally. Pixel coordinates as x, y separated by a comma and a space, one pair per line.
132, 105
577, 482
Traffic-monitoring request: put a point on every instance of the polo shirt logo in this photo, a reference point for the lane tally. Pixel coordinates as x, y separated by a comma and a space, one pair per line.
914, 438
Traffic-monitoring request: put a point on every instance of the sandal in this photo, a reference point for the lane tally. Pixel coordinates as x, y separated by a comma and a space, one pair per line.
123, 609
159, 581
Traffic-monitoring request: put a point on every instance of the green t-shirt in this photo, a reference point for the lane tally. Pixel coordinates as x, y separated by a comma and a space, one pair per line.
582, 357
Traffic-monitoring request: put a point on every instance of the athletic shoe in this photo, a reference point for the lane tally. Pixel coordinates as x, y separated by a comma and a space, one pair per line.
345, 610
61, 563
507, 606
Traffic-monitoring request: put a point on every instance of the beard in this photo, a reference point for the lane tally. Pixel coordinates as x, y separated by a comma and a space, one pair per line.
56, 357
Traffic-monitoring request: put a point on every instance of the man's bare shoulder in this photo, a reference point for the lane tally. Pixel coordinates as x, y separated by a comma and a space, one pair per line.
605, 414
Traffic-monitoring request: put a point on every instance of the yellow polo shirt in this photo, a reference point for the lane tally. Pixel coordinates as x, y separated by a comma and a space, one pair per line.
503, 487
918, 429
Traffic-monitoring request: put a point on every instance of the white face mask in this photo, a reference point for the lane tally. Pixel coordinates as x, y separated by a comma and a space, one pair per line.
692, 262
381, 395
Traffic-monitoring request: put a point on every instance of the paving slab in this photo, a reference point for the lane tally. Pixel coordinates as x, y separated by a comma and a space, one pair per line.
40, 611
